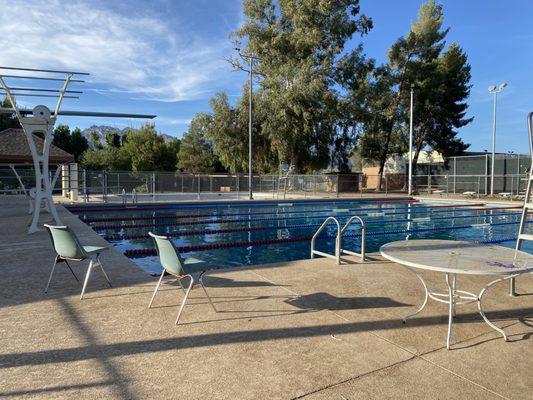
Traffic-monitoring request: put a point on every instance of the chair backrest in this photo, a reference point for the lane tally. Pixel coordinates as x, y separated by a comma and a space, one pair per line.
168, 255
65, 243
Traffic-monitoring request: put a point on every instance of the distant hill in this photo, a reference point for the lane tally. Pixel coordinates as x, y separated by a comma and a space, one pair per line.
103, 130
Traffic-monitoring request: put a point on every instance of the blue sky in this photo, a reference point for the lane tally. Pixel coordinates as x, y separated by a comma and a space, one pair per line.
167, 57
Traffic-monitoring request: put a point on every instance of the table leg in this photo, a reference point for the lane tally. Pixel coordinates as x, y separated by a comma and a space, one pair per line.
451, 309
480, 307
426, 296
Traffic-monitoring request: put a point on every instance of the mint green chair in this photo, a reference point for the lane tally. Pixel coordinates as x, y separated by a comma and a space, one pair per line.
178, 267
68, 248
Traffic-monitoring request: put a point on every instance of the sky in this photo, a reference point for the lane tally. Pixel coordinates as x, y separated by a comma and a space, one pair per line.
167, 57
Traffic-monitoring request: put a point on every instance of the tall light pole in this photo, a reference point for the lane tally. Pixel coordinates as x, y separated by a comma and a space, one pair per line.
494, 90
251, 77
410, 180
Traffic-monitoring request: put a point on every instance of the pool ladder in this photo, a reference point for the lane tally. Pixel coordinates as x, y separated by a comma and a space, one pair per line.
125, 197
338, 239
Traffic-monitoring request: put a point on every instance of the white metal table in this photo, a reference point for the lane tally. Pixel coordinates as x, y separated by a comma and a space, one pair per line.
458, 258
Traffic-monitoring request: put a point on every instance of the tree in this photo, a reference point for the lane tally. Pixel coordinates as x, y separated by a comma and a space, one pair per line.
95, 140
196, 153
146, 149
170, 154
8, 120
383, 133
92, 159
228, 132
297, 44
62, 138
78, 144
112, 139
355, 75
441, 83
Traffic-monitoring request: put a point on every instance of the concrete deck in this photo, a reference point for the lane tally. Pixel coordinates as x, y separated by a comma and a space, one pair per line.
306, 329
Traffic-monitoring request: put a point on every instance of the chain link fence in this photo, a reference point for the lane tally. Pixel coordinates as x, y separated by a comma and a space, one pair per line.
467, 176
159, 186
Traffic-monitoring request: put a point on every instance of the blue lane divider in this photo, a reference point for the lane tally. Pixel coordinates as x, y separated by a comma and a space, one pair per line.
238, 204
170, 215
143, 252
229, 221
177, 233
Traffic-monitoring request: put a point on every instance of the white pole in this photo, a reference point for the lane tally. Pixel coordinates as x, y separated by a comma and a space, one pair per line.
411, 145
493, 145
250, 193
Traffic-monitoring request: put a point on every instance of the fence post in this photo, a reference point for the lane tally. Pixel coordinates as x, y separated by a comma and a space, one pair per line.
454, 172
486, 174
518, 174
85, 186
104, 187
199, 180
153, 186
238, 184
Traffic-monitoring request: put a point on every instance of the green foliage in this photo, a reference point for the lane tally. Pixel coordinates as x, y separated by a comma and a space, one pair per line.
298, 44
73, 143
112, 139
146, 149
196, 153
92, 159
441, 86
78, 144
95, 140
62, 138
8, 120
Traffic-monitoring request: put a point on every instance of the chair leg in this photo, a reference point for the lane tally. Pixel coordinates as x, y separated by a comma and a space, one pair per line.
51, 273
156, 288
185, 297
200, 279
103, 270
73, 274
89, 268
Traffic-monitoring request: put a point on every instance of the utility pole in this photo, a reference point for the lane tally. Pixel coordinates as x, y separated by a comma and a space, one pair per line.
410, 180
494, 90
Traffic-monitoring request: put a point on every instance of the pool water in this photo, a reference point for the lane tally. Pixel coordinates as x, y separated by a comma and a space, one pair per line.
247, 233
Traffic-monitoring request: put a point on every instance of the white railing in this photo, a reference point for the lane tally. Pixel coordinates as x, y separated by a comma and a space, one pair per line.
337, 256
363, 237
338, 239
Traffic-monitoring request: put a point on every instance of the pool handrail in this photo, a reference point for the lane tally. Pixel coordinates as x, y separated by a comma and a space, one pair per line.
363, 237
337, 256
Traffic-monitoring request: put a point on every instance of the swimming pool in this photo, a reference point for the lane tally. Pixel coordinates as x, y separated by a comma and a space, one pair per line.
231, 234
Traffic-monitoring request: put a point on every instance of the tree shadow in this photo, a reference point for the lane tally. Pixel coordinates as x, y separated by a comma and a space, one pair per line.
325, 301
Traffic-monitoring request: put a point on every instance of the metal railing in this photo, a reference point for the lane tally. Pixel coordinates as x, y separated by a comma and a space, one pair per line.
338, 239
337, 256
363, 237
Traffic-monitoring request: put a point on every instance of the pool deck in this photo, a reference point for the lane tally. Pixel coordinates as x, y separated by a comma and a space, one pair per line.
307, 329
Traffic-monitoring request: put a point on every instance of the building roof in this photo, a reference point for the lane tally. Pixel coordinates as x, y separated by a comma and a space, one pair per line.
14, 148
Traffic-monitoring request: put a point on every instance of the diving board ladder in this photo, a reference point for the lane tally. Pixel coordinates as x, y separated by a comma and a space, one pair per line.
338, 239
528, 204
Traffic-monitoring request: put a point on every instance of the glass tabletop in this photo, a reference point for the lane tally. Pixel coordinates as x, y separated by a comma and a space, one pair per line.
458, 257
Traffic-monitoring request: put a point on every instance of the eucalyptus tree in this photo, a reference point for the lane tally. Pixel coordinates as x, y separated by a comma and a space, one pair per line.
196, 153
297, 45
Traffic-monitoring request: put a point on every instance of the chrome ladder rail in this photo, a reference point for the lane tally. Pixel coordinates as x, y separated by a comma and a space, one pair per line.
363, 237
337, 256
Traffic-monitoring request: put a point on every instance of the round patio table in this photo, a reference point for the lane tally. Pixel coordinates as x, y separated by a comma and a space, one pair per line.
454, 258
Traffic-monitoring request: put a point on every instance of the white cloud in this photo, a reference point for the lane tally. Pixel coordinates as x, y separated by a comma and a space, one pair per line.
141, 56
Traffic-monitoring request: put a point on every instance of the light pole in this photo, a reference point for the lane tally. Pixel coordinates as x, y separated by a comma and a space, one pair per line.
410, 180
494, 90
251, 76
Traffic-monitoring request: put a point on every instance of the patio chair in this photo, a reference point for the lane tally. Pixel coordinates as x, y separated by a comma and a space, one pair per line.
68, 248
178, 267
